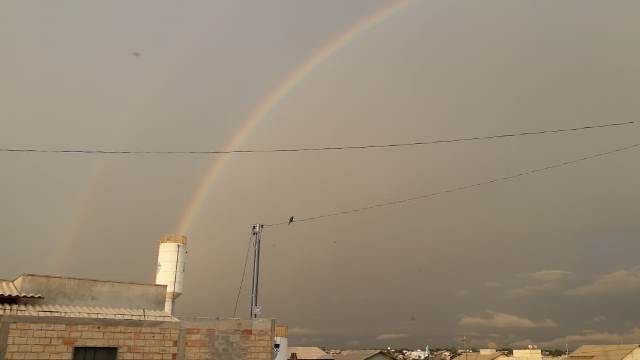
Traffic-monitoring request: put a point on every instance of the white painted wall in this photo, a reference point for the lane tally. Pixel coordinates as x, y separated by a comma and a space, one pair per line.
171, 264
283, 354
527, 354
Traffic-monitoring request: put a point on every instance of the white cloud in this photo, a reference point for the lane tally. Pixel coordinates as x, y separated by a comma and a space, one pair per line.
529, 290
543, 281
617, 282
599, 318
501, 320
549, 275
522, 344
590, 337
391, 336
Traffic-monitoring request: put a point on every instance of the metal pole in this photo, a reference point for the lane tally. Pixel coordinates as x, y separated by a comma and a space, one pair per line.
257, 233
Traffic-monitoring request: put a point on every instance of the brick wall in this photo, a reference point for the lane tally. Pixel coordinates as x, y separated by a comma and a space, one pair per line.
246, 344
56, 341
210, 339
229, 339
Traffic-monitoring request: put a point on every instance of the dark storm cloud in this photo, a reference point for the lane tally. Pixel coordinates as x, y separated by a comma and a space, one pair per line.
565, 241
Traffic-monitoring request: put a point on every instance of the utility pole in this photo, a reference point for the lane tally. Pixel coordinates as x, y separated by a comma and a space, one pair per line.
256, 233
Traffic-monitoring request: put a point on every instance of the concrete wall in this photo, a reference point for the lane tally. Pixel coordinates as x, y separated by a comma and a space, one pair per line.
24, 337
83, 292
230, 339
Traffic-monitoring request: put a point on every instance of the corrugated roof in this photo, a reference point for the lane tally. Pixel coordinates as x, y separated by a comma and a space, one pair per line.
84, 312
309, 353
358, 354
8, 289
603, 352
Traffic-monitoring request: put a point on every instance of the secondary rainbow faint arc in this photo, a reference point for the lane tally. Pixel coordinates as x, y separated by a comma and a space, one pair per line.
273, 98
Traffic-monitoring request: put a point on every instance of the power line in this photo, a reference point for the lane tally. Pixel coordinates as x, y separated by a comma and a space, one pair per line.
309, 149
459, 188
244, 271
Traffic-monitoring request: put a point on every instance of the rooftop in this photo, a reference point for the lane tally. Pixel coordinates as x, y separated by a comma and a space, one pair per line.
84, 312
358, 354
478, 356
309, 353
9, 290
45, 295
603, 352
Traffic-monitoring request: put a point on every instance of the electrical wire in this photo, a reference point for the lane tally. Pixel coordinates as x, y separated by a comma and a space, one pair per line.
459, 188
244, 271
310, 149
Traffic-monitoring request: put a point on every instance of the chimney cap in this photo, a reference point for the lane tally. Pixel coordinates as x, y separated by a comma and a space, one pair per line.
173, 238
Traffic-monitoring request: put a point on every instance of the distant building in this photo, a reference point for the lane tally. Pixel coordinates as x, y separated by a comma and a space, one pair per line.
416, 355
441, 355
478, 356
527, 354
308, 353
362, 355
606, 352
488, 351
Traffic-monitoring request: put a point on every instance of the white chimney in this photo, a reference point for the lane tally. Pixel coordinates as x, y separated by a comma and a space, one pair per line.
172, 253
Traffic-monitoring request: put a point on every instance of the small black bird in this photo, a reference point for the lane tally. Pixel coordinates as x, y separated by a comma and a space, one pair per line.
290, 220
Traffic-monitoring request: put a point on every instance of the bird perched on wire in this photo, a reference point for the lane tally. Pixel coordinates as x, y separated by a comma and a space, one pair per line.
290, 220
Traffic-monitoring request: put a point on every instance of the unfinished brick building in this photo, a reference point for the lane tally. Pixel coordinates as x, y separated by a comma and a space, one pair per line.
44, 317
49, 317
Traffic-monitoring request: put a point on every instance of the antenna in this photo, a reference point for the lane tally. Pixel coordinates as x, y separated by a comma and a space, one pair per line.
256, 233
465, 343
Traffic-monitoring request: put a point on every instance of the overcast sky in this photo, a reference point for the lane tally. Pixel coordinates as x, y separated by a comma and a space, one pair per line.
547, 259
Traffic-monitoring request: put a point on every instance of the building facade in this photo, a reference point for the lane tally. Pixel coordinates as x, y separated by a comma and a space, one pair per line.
47, 317
527, 354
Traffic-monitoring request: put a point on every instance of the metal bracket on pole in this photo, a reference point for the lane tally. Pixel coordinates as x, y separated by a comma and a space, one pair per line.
256, 232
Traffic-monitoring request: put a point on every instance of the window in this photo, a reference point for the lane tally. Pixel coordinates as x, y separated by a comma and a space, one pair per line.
95, 353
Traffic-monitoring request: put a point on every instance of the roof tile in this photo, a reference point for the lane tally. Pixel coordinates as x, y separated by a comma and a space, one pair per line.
8, 289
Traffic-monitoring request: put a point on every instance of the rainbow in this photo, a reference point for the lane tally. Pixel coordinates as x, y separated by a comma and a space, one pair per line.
273, 98
60, 258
